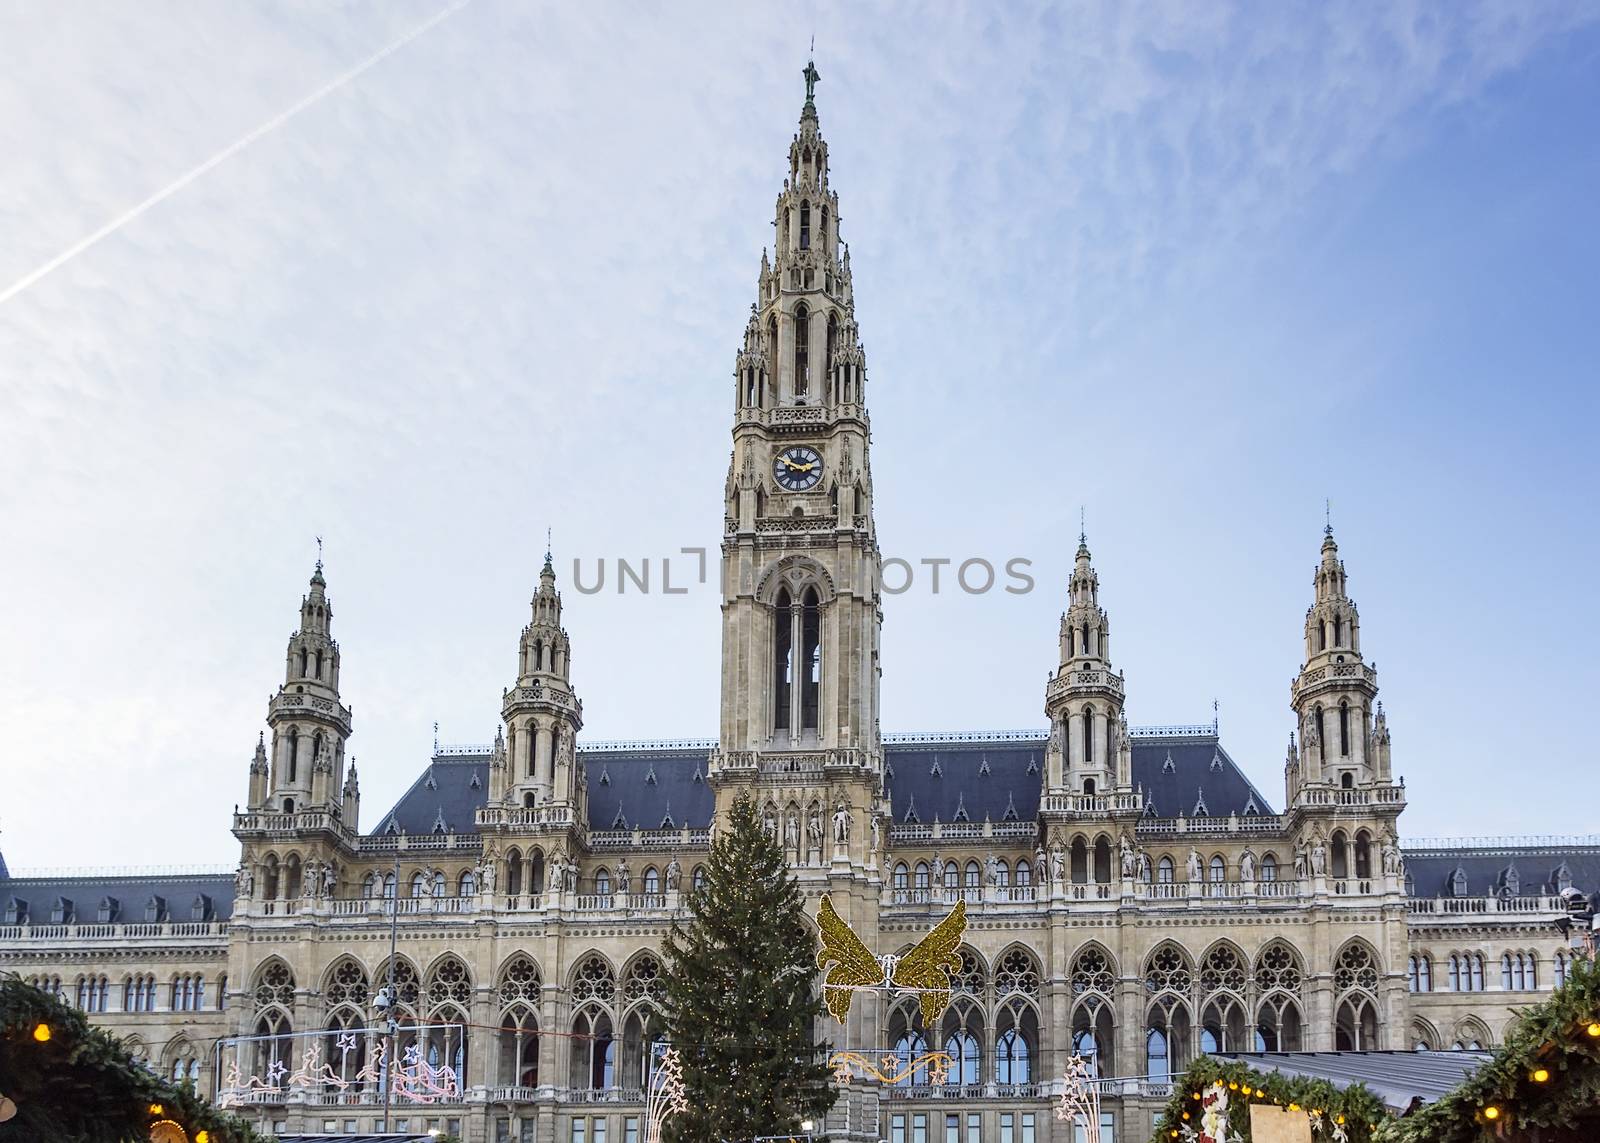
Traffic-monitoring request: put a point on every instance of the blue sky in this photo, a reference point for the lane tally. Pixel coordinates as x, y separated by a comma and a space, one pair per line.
1194, 268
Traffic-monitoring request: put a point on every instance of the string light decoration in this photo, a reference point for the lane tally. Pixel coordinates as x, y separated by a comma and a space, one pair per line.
1543, 1081
67, 1079
890, 1068
1080, 1098
849, 966
666, 1097
1212, 1101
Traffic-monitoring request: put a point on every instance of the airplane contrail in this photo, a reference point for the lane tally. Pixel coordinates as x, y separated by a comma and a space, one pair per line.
227, 152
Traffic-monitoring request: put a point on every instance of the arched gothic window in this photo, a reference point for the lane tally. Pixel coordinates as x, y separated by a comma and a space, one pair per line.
1341, 855
1344, 729
802, 352
1088, 734
805, 226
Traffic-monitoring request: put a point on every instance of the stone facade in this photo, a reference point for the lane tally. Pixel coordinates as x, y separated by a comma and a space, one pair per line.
1131, 893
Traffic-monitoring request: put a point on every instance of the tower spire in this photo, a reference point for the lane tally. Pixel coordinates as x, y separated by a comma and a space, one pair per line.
1089, 748
308, 722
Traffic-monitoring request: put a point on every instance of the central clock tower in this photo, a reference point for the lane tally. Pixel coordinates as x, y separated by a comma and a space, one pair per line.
800, 563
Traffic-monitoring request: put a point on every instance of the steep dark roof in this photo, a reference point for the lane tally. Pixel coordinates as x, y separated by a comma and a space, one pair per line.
444, 798
944, 777
129, 895
1539, 864
643, 790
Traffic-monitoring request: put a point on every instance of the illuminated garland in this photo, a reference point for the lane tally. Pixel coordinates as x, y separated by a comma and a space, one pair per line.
1337, 1115
890, 1068
1545, 1076
70, 1080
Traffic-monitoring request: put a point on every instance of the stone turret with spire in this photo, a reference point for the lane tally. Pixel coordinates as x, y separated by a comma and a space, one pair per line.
1334, 693
541, 713
304, 765
1089, 751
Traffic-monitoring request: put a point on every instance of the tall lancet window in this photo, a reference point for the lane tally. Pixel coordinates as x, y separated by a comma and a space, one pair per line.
294, 754
1088, 734
1344, 729
802, 353
822, 228
833, 345
782, 658
811, 658
805, 226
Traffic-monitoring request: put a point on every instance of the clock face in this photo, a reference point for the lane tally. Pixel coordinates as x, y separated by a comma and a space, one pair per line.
797, 468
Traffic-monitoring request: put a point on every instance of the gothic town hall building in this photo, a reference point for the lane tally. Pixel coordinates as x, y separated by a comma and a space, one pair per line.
1132, 894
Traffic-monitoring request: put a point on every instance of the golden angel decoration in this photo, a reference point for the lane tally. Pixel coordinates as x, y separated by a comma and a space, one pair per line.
849, 966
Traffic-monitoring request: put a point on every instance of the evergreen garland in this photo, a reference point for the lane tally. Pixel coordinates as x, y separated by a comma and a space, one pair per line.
1542, 1083
82, 1083
1354, 1110
741, 1006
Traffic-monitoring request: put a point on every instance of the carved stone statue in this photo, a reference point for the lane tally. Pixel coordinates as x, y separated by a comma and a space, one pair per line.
1125, 847
1041, 863
1393, 864
1143, 865
674, 874
814, 833
244, 881
991, 870
1247, 866
771, 823
1319, 857
486, 875
623, 874
329, 879
1301, 861
841, 823
1194, 864
877, 833
791, 831
1058, 863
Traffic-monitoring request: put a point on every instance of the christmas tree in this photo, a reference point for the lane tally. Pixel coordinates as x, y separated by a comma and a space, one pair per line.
741, 1007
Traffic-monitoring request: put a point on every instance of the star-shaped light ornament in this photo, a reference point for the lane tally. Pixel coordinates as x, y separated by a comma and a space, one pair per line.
346, 1042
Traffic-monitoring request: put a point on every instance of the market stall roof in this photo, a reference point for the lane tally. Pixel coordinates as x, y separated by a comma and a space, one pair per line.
1397, 1078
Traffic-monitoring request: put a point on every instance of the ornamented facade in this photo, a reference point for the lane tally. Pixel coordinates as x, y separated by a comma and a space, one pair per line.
1132, 895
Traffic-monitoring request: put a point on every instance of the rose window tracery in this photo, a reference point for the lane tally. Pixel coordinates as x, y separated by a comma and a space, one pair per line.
1355, 969
276, 986
520, 982
1091, 972
449, 984
593, 982
1222, 970
1168, 971
349, 985
1017, 973
1277, 968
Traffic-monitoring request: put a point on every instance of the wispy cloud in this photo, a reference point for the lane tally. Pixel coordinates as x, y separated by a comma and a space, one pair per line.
495, 285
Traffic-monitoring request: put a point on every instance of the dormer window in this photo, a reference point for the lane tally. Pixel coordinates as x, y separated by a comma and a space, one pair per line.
153, 909
16, 911
61, 911
107, 912
200, 908
1458, 882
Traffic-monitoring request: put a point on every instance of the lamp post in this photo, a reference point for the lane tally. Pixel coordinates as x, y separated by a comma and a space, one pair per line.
386, 999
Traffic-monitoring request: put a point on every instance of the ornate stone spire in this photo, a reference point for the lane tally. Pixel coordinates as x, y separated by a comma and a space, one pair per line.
1090, 751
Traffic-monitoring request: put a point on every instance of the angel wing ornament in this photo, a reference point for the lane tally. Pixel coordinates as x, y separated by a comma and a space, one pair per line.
848, 965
